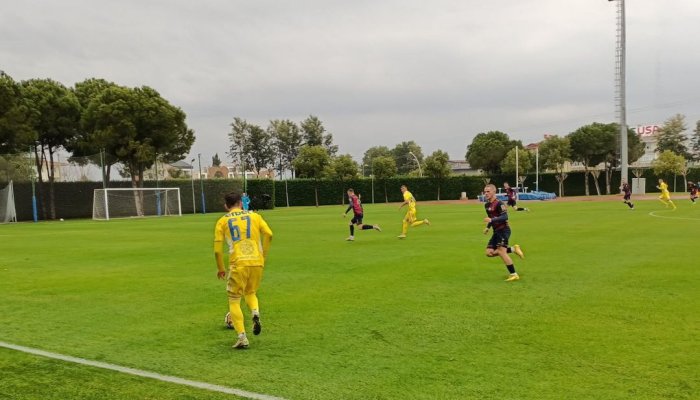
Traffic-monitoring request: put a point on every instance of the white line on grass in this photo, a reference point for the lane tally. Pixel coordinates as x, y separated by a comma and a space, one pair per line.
663, 216
142, 373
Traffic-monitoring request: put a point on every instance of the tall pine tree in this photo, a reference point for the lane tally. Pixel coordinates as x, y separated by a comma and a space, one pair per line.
672, 136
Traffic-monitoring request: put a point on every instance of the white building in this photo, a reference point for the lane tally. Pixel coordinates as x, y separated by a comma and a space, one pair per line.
649, 135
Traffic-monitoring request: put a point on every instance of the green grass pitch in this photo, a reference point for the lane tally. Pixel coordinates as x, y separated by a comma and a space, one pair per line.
607, 307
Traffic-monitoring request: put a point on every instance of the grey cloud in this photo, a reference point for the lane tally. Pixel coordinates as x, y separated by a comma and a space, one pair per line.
375, 72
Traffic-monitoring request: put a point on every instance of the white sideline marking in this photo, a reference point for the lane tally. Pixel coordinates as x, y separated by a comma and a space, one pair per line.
663, 216
142, 373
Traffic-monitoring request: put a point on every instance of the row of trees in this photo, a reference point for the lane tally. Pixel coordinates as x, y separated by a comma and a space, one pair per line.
591, 145
278, 145
306, 150
135, 125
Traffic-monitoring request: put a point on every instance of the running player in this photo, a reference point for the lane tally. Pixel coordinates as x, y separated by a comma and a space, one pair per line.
355, 205
665, 196
410, 218
497, 218
248, 237
510, 192
693, 192
627, 191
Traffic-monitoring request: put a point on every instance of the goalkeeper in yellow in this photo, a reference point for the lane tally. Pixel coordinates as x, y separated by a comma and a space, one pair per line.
665, 196
248, 237
410, 218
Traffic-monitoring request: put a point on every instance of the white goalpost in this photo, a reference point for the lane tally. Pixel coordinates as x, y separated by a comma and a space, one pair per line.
8, 213
135, 202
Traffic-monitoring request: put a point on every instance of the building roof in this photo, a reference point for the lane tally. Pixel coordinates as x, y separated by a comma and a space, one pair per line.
182, 164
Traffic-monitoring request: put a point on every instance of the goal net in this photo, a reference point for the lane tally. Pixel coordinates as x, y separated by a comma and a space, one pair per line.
8, 213
140, 202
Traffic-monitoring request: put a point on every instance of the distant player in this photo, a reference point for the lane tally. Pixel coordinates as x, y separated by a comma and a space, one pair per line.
693, 186
248, 237
245, 201
497, 218
355, 205
410, 218
510, 192
627, 192
665, 196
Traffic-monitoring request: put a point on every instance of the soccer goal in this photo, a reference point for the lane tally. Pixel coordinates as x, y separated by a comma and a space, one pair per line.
8, 213
135, 202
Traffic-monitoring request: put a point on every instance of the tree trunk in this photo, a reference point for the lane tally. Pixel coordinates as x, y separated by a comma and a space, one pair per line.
386, 196
316, 194
585, 178
135, 179
438, 192
561, 176
52, 174
595, 174
39, 161
109, 171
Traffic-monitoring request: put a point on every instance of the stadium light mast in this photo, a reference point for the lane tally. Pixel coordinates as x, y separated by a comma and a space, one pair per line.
620, 87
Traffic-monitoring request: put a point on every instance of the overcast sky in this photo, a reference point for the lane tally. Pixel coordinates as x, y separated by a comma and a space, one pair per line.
375, 72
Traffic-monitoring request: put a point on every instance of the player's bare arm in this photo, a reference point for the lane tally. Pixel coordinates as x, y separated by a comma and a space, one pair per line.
219, 257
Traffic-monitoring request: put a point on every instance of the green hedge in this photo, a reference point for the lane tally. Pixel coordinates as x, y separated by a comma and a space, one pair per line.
74, 199
301, 192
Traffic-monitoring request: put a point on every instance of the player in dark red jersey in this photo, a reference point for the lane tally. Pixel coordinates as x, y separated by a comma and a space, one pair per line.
627, 192
497, 218
693, 191
355, 205
510, 192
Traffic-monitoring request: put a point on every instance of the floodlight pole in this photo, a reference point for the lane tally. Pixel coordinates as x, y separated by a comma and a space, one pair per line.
620, 66
194, 204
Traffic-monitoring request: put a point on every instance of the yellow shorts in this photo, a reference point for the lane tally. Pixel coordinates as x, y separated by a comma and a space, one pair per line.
410, 217
243, 281
665, 196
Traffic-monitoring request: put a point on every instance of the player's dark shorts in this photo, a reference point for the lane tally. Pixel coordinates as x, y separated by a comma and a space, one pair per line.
356, 219
628, 196
511, 202
499, 239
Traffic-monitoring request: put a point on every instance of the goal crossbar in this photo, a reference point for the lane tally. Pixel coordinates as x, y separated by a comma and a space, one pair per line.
135, 202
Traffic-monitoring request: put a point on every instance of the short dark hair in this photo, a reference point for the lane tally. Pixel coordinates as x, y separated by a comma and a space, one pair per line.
232, 198
351, 190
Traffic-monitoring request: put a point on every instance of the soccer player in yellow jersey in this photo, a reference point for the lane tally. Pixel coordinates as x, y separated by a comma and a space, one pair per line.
410, 218
665, 196
248, 237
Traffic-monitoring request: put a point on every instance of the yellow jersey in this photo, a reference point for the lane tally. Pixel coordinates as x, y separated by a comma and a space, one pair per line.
247, 235
407, 196
664, 187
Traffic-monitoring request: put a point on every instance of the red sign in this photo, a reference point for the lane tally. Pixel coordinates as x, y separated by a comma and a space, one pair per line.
647, 130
